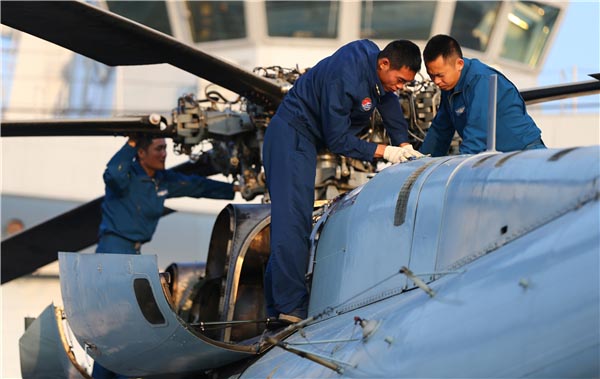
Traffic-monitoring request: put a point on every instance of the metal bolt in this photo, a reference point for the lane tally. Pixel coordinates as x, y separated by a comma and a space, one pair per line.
524, 283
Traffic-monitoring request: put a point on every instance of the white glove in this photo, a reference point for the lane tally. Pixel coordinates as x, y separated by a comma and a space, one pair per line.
414, 153
395, 154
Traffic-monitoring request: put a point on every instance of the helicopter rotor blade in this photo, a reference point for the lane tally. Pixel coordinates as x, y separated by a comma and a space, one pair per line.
117, 41
152, 125
558, 92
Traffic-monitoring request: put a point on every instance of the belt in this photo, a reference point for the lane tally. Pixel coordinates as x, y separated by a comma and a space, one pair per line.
114, 244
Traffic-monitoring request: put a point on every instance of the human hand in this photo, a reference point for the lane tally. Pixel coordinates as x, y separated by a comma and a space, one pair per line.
412, 151
396, 154
132, 141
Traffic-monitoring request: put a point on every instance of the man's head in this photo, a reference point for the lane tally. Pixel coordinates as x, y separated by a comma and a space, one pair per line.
13, 226
444, 61
398, 64
152, 154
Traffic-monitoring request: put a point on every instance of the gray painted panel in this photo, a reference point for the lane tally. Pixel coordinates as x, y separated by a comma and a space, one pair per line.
349, 257
430, 195
506, 316
103, 312
42, 353
505, 198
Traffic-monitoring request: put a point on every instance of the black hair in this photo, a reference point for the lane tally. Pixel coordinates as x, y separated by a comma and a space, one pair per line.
143, 142
443, 45
402, 53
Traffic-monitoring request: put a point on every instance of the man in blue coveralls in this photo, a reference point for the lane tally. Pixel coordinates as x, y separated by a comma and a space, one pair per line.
464, 106
326, 108
137, 185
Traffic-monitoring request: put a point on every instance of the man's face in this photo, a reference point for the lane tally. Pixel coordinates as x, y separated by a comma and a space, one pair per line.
393, 80
14, 226
153, 158
445, 73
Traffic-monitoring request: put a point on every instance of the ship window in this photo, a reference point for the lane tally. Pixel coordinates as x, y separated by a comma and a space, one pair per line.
529, 27
147, 302
216, 20
302, 19
473, 23
9, 59
396, 19
150, 13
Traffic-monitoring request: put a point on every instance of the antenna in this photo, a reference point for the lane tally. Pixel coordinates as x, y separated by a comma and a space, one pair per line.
491, 130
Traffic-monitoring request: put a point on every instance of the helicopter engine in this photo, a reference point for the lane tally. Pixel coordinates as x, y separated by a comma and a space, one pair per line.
233, 140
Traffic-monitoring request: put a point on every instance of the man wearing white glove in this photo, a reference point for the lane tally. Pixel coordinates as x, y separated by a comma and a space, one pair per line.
397, 154
327, 107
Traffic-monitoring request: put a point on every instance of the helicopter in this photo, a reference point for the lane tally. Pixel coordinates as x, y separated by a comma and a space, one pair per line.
244, 244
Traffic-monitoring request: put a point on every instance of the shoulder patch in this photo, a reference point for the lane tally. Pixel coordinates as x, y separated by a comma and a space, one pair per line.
366, 104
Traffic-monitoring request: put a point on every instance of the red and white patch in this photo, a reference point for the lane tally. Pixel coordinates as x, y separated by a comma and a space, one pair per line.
366, 104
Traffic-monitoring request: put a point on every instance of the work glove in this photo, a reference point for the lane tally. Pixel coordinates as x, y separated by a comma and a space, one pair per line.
414, 153
395, 154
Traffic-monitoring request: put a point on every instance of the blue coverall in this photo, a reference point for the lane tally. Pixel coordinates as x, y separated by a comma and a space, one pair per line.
327, 107
465, 109
134, 202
